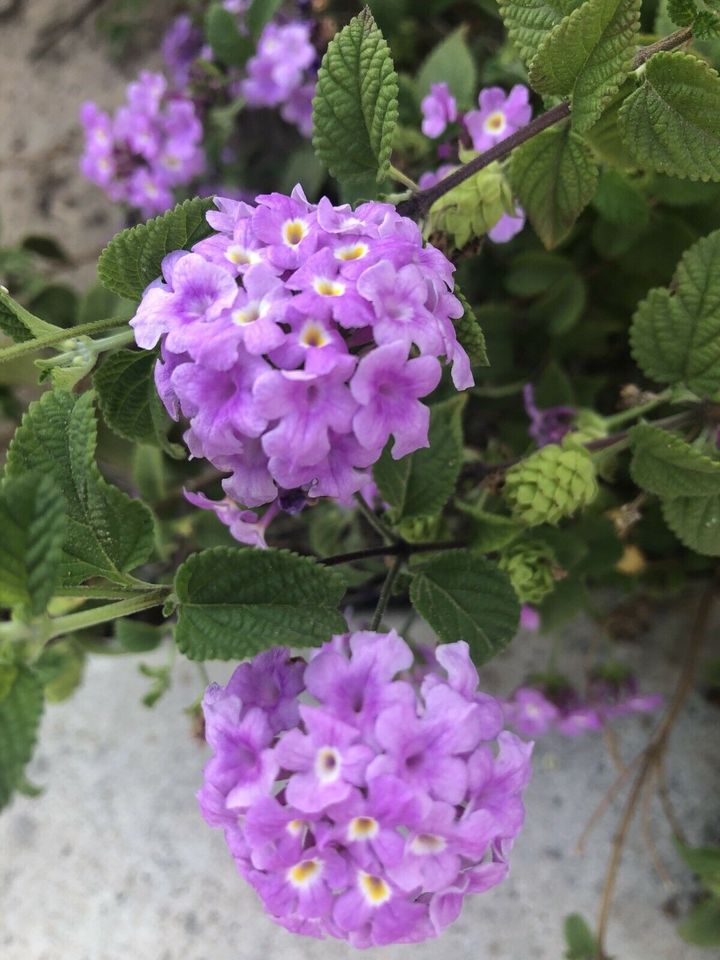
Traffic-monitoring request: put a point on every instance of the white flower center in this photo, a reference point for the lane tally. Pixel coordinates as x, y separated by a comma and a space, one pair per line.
425, 843
495, 123
354, 251
241, 255
247, 314
363, 828
327, 765
313, 334
328, 288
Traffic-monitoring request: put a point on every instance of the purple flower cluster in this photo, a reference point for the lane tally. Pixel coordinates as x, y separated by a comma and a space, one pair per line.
181, 46
537, 709
150, 146
549, 424
372, 808
282, 73
297, 340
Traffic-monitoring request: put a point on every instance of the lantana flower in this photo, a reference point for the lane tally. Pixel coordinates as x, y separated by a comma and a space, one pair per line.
499, 116
370, 810
439, 108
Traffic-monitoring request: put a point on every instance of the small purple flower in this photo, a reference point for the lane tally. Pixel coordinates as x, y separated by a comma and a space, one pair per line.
507, 227
529, 618
244, 525
550, 424
530, 712
499, 116
181, 46
439, 108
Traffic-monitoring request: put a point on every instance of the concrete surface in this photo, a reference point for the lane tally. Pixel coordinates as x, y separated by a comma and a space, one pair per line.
114, 862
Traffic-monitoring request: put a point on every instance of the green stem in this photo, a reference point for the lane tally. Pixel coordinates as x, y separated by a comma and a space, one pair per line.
618, 419
403, 179
82, 329
386, 593
375, 522
110, 611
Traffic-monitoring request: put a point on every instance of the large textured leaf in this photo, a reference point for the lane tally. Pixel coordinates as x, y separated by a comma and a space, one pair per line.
470, 333
450, 62
107, 533
472, 208
463, 596
32, 521
236, 602
21, 703
554, 176
528, 22
356, 107
18, 323
665, 464
695, 521
420, 484
587, 56
133, 257
671, 123
129, 400
675, 337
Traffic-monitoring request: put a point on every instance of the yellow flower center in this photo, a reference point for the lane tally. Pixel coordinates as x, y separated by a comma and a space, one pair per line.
240, 255
314, 335
374, 889
293, 231
329, 288
296, 827
427, 843
247, 314
355, 251
495, 123
363, 828
303, 874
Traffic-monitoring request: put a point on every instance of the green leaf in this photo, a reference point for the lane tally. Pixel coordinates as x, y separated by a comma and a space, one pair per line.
675, 336
473, 207
463, 596
665, 464
619, 201
702, 926
20, 712
469, 333
260, 14
229, 46
490, 531
32, 520
60, 670
137, 636
233, 603
107, 533
705, 862
554, 176
587, 56
672, 121
695, 521
129, 400
133, 257
682, 12
420, 484
450, 62
356, 107
528, 22
18, 323
579, 938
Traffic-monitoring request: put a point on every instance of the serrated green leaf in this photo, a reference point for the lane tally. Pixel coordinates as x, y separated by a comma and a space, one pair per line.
20, 712
356, 102
229, 46
107, 533
133, 257
706, 26
463, 596
473, 207
554, 176
420, 484
233, 603
675, 337
129, 400
666, 465
672, 121
32, 521
469, 333
695, 521
18, 323
588, 56
450, 62
702, 925
605, 135
528, 22
682, 12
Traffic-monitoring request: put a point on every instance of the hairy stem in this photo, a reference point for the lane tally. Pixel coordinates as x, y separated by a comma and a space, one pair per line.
386, 592
109, 611
399, 549
381, 528
68, 333
676, 39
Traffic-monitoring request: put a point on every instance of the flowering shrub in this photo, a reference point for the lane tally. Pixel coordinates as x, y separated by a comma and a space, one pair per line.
287, 342
371, 812
495, 437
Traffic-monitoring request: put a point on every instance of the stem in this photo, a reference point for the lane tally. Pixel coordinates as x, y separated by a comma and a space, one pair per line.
110, 611
618, 419
403, 179
676, 39
418, 205
67, 333
401, 549
386, 592
375, 522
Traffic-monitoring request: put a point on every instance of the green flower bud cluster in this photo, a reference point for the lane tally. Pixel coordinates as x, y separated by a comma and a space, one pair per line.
551, 484
531, 567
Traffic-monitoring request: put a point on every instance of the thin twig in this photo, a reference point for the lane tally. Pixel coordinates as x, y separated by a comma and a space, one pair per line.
386, 592
646, 826
676, 39
401, 549
667, 804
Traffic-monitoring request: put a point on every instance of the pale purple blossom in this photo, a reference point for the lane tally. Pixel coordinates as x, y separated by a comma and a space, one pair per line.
297, 341
499, 116
508, 226
439, 108
392, 799
549, 424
